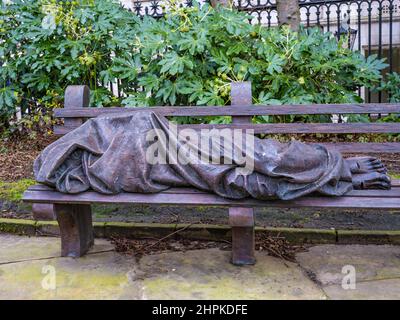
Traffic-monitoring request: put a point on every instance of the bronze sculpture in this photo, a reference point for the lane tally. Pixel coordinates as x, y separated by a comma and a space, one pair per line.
109, 154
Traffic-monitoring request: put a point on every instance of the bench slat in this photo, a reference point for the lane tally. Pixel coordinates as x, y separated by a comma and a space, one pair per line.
349, 147
61, 130
243, 110
292, 128
286, 128
42, 187
164, 198
394, 192
359, 147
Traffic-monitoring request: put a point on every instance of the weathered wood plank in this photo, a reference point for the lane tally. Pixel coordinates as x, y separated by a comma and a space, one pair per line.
43, 211
243, 242
395, 183
40, 187
352, 147
76, 97
242, 110
368, 147
394, 192
241, 95
60, 130
292, 128
75, 221
286, 128
211, 199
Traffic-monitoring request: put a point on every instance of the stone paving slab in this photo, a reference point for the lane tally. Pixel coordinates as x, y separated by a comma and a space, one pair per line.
199, 274
20, 248
27, 266
371, 262
207, 274
95, 276
376, 270
388, 289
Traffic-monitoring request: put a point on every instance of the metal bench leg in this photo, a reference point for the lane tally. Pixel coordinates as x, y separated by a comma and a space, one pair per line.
76, 229
242, 222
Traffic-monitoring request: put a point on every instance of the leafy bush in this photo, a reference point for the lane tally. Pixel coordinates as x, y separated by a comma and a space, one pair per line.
187, 58
13, 191
191, 56
392, 86
46, 45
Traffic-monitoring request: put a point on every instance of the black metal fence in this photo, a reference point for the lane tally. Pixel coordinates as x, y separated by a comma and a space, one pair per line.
373, 25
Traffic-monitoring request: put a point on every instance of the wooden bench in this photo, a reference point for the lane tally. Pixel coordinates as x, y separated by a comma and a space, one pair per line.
73, 212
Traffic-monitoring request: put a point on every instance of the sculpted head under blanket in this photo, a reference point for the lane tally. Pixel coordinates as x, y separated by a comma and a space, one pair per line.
110, 154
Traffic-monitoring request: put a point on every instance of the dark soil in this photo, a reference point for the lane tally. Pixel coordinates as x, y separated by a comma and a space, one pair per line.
275, 246
17, 156
141, 247
14, 214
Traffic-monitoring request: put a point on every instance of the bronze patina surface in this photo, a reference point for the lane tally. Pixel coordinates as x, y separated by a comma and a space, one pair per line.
108, 154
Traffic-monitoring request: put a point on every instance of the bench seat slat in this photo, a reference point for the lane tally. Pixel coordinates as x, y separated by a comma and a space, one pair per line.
41, 187
394, 192
361, 199
243, 110
286, 128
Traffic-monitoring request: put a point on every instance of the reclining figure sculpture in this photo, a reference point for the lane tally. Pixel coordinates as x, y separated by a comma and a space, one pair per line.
110, 154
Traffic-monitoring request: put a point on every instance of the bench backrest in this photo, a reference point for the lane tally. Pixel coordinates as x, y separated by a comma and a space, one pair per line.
76, 110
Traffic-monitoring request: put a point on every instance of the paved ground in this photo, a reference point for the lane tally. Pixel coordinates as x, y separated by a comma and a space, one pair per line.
30, 268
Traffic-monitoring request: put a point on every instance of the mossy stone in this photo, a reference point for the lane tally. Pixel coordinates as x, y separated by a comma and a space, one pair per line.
18, 226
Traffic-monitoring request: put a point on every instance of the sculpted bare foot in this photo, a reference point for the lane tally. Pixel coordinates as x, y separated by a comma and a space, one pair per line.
360, 165
371, 180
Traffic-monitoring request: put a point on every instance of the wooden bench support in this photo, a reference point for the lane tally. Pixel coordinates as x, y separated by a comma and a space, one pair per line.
75, 221
43, 211
242, 222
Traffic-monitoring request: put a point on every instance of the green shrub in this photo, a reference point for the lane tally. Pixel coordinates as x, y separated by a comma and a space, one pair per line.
392, 86
13, 191
191, 56
187, 58
46, 45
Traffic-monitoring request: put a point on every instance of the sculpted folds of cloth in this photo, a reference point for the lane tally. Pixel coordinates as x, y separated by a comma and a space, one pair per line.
110, 154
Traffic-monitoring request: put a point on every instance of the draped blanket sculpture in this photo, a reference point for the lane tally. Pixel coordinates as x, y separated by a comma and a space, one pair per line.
110, 154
